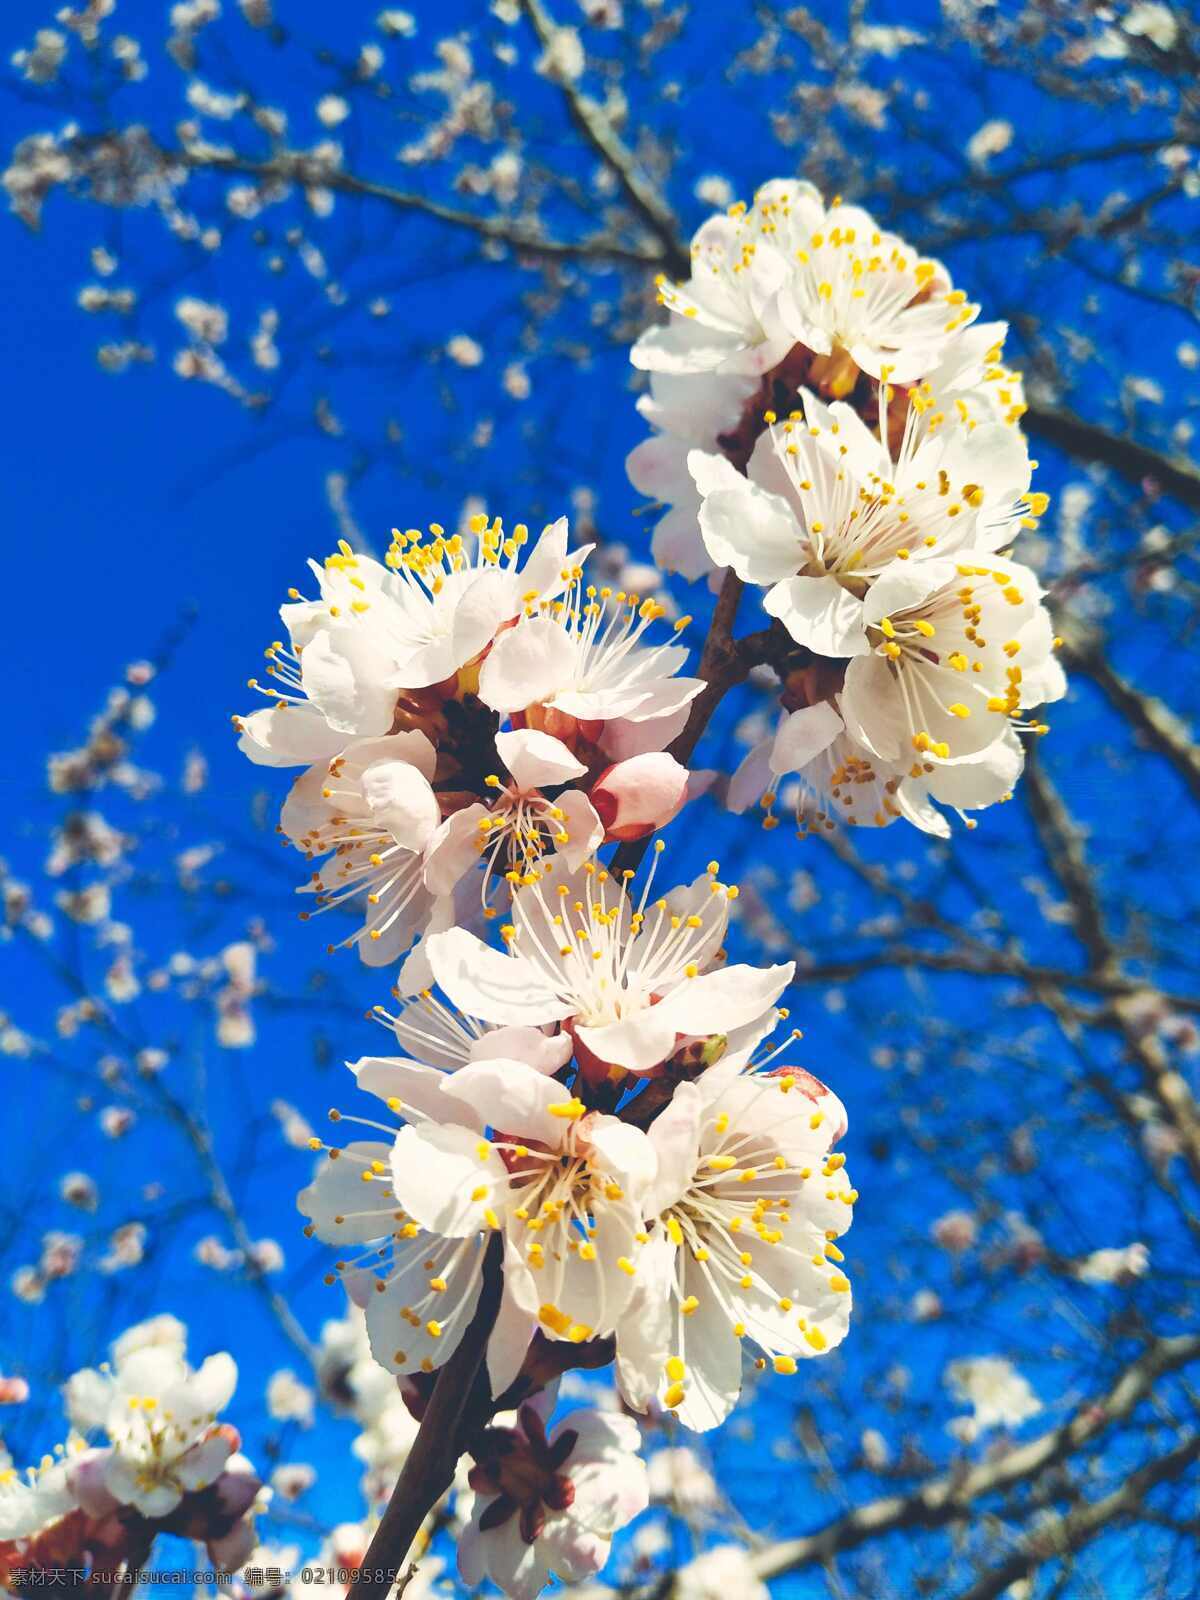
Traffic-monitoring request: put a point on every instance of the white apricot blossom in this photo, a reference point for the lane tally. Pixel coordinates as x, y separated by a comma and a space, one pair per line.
958, 648
547, 1503
825, 509
840, 780
787, 293
1000, 1396
580, 664
373, 810
160, 1418
496, 1145
790, 270
380, 630
631, 980
747, 1199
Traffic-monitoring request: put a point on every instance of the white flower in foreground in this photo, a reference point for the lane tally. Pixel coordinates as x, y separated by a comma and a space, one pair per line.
632, 980
1000, 1396
559, 1183
161, 1420
840, 780
747, 1200
373, 809
578, 665
825, 510
381, 632
790, 270
957, 650
790, 294
548, 1504
521, 824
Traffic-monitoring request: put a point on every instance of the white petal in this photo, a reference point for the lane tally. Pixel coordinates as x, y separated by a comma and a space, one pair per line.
545, 1053
547, 559
289, 735
675, 1135
536, 760
512, 1098
454, 849
513, 1332
583, 828
343, 677
211, 1386
714, 1002
338, 1191
904, 584
447, 1177
637, 1042
526, 665
752, 778
401, 800
873, 709
622, 1151
803, 735
644, 1333
713, 473
417, 1087
819, 613
488, 600
486, 984
754, 532
712, 1355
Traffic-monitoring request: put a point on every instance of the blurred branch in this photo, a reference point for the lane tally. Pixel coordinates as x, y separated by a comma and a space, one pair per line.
997, 964
497, 230
1062, 841
1088, 441
951, 1496
1061, 1535
589, 117
1164, 732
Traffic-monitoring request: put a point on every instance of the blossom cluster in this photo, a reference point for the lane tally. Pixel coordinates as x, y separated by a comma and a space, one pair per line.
833, 425
594, 1106
592, 1143
168, 1465
465, 708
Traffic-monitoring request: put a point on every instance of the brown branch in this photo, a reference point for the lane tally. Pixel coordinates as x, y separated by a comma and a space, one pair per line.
1062, 843
951, 1497
1164, 732
428, 1472
297, 167
1063, 1535
1087, 441
589, 117
999, 964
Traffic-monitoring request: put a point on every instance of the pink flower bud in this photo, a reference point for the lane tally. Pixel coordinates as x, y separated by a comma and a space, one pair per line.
635, 797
